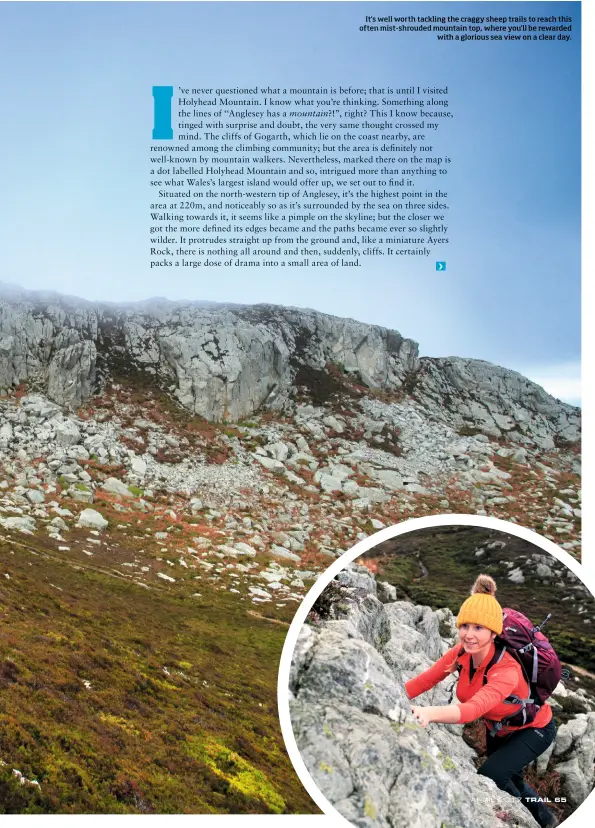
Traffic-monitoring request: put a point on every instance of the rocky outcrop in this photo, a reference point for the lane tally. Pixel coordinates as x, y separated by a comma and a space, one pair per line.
574, 754
351, 720
473, 394
224, 362
49, 346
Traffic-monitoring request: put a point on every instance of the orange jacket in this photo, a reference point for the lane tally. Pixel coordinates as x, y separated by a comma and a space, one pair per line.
479, 700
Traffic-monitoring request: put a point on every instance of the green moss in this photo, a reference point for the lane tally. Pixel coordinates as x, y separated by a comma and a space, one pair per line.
121, 746
325, 768
448, 764
398, 727
117, 721
382, 637
241, 776
327, 731
165, 685
81, 487
136, 491
369, 808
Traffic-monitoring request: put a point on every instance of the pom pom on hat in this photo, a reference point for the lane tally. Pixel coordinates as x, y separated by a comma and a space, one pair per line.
484, 583
482, 607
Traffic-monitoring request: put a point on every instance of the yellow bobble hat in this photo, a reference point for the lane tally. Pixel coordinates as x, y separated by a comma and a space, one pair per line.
482, 607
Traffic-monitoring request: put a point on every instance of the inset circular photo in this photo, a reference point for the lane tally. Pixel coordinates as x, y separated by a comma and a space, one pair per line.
442, 675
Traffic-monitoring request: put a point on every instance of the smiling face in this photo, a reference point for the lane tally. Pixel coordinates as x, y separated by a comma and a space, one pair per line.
475, 638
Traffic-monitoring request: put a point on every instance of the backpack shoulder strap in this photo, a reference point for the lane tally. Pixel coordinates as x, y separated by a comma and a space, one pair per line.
458, 672
498, 655
512, 699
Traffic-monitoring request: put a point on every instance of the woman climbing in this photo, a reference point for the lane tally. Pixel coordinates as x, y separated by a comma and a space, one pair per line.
483, 686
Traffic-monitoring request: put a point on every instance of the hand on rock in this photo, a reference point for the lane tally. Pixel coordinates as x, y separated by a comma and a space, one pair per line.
422, 714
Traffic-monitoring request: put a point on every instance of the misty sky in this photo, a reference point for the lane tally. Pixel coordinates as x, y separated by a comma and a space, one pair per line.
77, 114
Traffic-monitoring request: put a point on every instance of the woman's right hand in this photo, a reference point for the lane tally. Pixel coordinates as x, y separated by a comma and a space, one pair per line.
422, 714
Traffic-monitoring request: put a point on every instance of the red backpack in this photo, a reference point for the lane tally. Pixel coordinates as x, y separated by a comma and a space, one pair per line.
538, 660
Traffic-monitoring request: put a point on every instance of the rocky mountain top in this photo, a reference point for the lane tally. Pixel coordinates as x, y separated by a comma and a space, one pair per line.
225, 362
366, 753
338, 427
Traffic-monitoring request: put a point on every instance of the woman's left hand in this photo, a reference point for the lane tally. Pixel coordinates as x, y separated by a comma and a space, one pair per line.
422, 714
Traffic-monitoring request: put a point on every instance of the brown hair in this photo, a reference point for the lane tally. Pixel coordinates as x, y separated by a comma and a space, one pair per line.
452, 668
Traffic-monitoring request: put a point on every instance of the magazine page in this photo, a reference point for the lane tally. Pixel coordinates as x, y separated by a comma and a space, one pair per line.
290, 414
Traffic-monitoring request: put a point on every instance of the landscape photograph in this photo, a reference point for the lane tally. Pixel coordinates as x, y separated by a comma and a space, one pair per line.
175, 476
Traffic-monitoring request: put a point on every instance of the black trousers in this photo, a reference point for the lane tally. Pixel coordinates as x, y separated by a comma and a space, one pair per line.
508, 755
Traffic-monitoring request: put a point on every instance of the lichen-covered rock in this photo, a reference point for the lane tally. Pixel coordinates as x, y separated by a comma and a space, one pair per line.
472, 393
386, 592
23, 524
114, 486
574, 749
91, 519
224, 362
67, 433
352, 723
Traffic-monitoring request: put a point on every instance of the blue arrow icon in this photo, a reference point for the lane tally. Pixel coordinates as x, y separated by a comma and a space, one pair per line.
440, 265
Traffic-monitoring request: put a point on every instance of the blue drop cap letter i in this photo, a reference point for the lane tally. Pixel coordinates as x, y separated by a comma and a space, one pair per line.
162, 96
